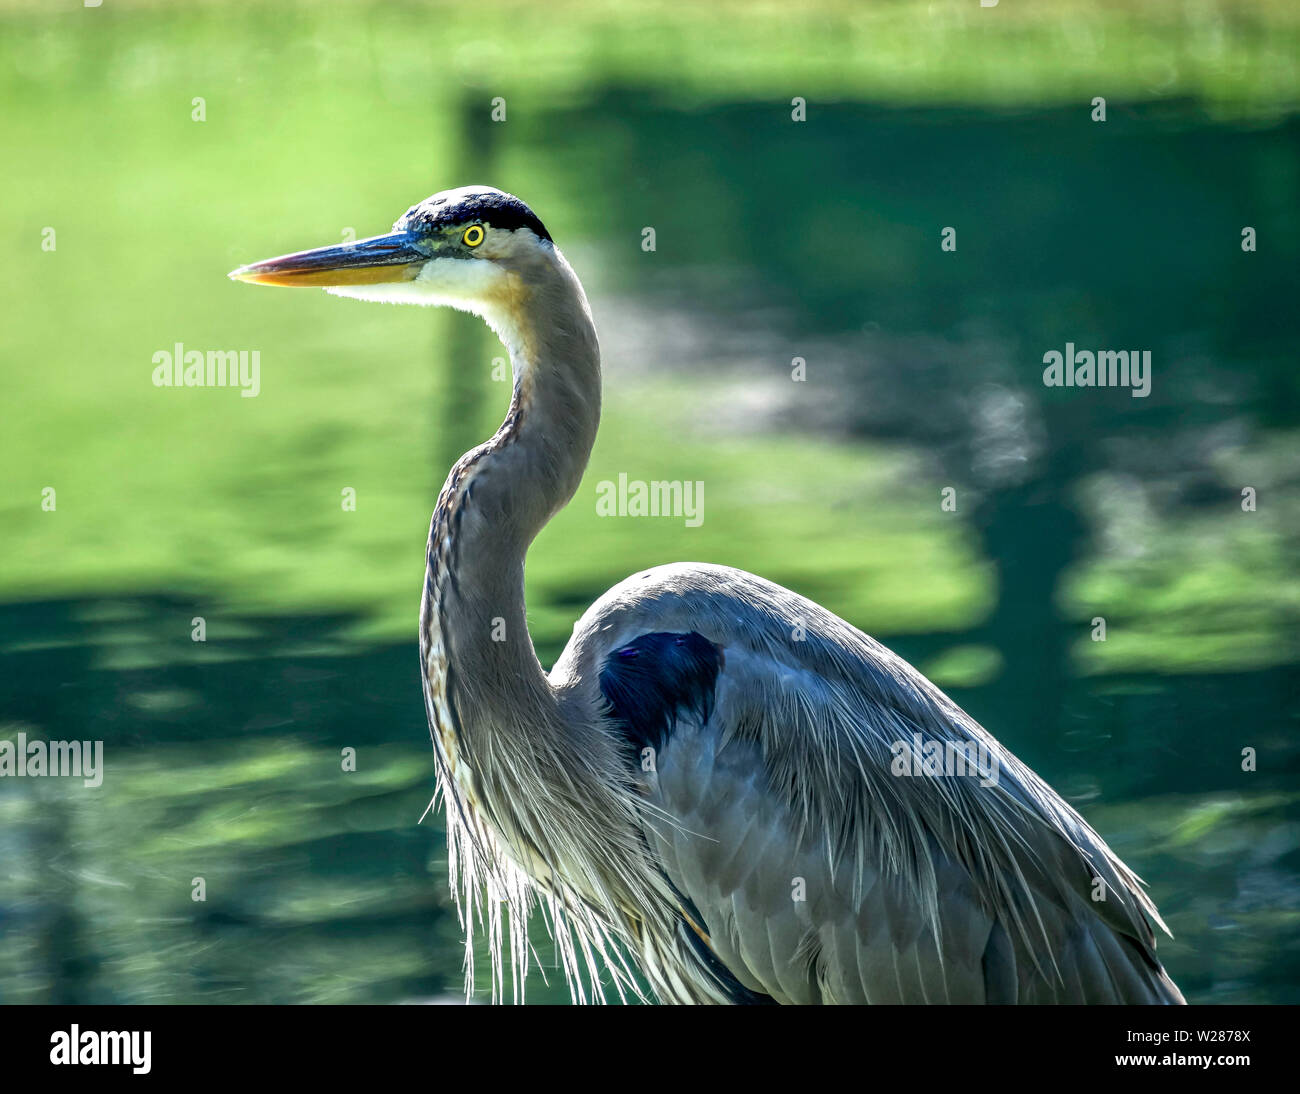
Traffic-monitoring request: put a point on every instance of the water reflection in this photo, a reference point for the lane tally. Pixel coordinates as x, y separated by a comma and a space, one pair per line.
321, 885
225, 758
224, 762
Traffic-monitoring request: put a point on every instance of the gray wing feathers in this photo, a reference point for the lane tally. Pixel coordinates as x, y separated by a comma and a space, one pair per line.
853, 937
914, 890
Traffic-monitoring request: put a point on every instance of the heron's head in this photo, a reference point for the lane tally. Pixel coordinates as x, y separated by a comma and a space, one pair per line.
472, 248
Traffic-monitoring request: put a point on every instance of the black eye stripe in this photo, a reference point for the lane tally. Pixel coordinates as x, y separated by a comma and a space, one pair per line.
504, 211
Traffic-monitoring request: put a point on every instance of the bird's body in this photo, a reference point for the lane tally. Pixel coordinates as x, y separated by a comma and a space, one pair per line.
718, 777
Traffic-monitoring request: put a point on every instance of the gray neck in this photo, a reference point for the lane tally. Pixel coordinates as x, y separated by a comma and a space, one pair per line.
495, 501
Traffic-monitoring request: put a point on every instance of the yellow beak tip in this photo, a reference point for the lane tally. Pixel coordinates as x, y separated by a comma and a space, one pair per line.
244, 273
374, 261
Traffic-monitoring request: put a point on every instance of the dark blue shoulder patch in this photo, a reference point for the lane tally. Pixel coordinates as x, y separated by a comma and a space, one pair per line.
656, 676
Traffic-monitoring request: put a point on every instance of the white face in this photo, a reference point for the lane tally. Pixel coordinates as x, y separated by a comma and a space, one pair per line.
470, 284
434, 256
446, 252
489, 282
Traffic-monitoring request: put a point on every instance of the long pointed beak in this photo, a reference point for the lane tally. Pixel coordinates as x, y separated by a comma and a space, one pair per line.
379, 260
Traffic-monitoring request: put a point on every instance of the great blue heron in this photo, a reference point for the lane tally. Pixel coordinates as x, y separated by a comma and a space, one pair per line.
751, 797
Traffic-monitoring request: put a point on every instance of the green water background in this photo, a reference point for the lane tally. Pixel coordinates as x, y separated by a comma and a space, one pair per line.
774, 240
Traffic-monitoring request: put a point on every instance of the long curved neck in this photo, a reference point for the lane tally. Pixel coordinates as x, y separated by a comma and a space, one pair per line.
497, 498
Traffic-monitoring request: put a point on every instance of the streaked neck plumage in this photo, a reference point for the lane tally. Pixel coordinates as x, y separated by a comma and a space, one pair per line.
488, 694
537, 801
540, 801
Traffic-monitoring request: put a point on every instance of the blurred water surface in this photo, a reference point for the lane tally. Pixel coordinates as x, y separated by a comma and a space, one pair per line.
775, 240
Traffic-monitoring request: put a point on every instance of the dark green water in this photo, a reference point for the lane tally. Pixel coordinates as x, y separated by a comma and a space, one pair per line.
224, 757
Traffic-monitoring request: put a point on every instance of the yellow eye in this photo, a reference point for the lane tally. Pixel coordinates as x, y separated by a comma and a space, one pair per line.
473, 235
